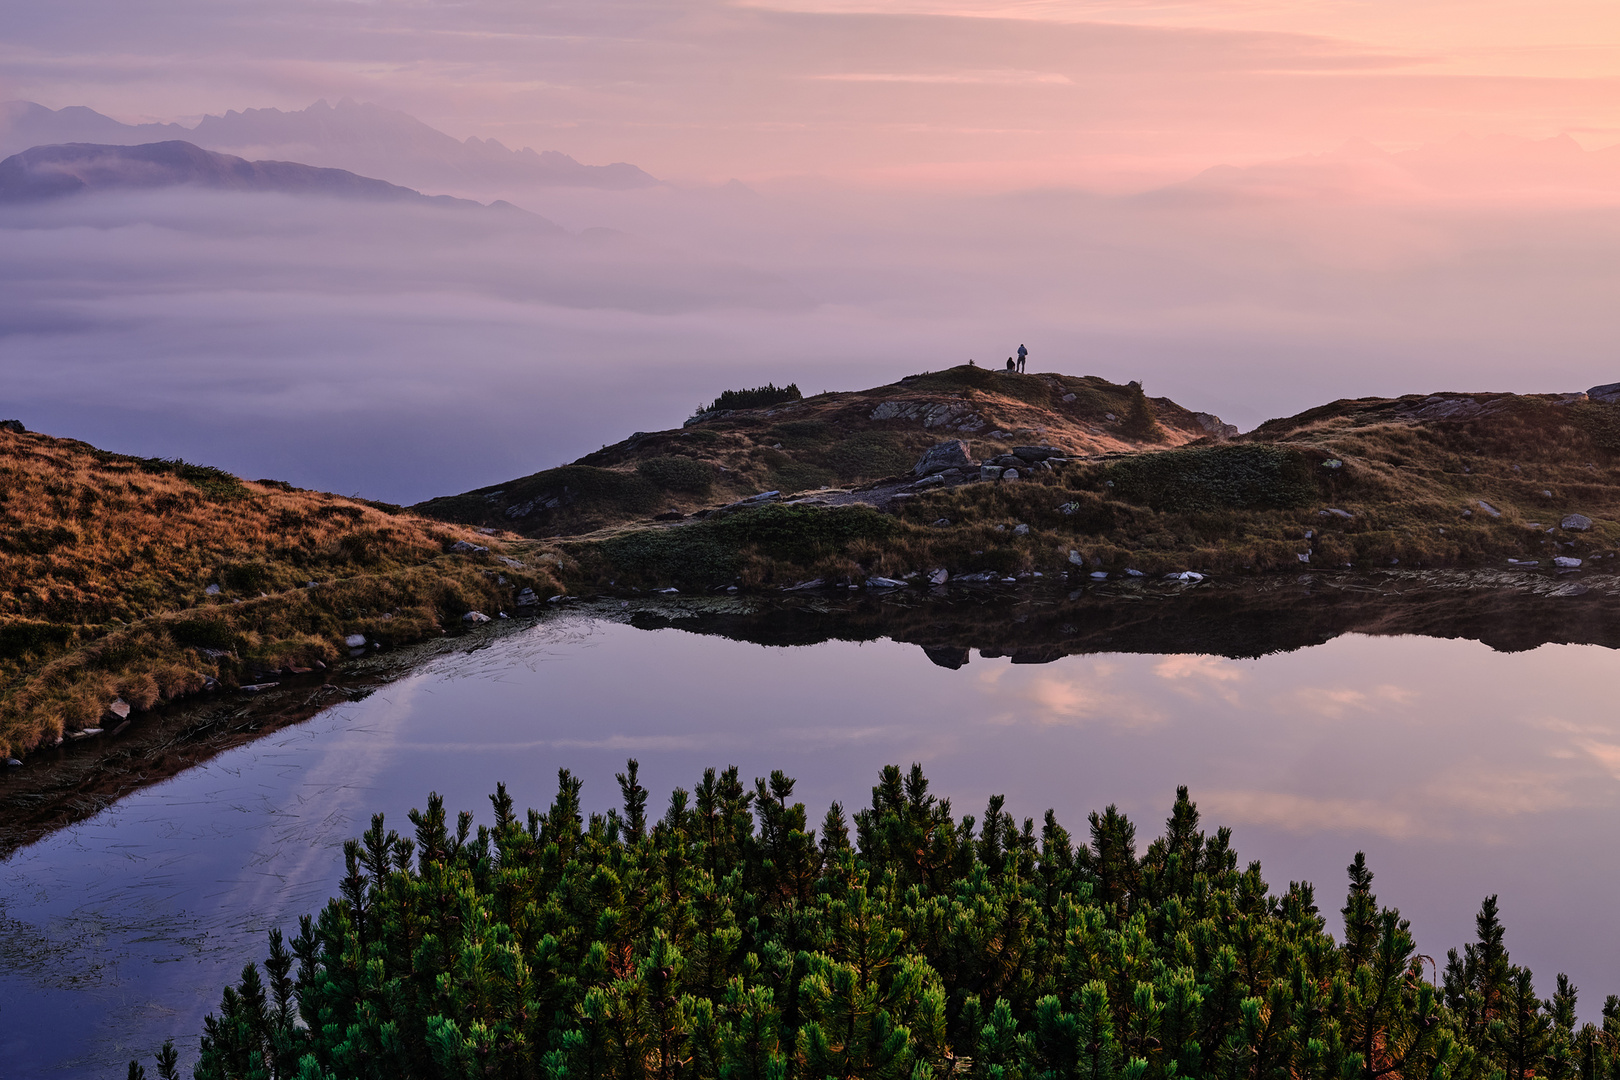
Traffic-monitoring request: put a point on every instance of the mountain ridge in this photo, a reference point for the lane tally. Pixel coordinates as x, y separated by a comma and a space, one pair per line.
359, 137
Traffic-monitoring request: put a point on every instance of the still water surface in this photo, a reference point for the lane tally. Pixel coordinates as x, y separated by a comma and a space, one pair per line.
1459, 770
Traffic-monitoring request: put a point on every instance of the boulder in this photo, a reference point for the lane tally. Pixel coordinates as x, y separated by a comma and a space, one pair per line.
1566, 562
1010, 474
1608, 393
938, 577
462, 547
936, 480
1214, 426
947, 656
527, 598
989, 472
13, 426
1033, 454
1068, 399
950, 454
1076, 558
358, 641
1575, 523
475, 617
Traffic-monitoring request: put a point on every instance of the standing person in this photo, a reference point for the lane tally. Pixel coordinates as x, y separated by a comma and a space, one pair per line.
1022, 353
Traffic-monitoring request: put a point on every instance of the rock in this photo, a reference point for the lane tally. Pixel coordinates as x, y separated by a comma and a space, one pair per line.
938, 577
982, 575
89, 731
118, 708
475, 617
884, 583
1033, 454
1333, 463
1334, 511
941, 522
1214, 427
212, 590
947, 656
1468, 513
1020, 530
1608, 393
989, 472
1068, 399
358, 641
1303, 556
667, 591
516, 564
813, 583
311, 584
764, 496
1489, 509
1110, 416
1185, 575
1133, 573
1575, 523
1545, 494
255, 688
1523, 562
462, 547
1010, 474
950, 454
1076, 558
527, 598
13, 762
1099, 575
13, 426
1566, 562
937, 480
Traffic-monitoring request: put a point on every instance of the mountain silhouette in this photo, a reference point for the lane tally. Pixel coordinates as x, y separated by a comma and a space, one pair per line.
356, 136
49, 172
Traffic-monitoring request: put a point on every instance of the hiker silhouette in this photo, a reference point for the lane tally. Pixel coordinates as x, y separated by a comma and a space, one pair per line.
1022, 353
1010, 365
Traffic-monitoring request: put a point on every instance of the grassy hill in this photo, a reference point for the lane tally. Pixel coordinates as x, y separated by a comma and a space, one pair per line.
135, 580
1439, 480
144, 580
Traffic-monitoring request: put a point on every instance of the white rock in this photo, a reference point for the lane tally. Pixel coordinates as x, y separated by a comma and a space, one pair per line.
938, 577
1576, 523
1185, 575
1489, 509
1567, 562
1020, 530
358, 641
671, 591
1074, 557
119, 708
884, 583
1133, 573
1303, 556
1010, 474
212, 590
1098, 575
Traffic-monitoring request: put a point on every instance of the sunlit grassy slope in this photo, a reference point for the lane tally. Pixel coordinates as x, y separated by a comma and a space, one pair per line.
106, 563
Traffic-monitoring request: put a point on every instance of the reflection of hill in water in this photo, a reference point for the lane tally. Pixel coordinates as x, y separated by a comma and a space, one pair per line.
1507, 611
1510, 612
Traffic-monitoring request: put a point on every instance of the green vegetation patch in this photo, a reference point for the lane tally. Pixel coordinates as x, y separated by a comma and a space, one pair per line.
992, 380
760, 397
730, 938
215, 484
870, 455
710, 552
1244, 477
25, 637
672, 473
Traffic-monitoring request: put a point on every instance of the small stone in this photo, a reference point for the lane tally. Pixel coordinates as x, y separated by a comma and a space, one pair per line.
462, 547
1110, 416
14, 763
1566, 562
938, 577
527, 598
475, 617
119, 708
1489, 509
1075, 557
1099, 575
1303, 556
1185, 575
1020, 530
1575, 523
311, 584
358, 641
884, 583
930, 481
1545, 494
1010, 474
942, 522
1133, 573
669, 591
1468, 513
1068, 399
1334, 511
1333, 463
212, 590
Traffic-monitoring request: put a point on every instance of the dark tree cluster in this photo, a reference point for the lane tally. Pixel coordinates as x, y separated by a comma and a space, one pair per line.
727, 939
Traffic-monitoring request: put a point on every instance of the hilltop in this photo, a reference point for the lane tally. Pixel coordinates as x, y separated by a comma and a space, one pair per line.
1063, 474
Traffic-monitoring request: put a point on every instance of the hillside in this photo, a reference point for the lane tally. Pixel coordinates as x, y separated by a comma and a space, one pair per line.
748, 497
137, 581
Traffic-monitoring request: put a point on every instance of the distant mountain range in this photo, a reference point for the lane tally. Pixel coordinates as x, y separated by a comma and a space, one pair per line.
362, 138
47, 172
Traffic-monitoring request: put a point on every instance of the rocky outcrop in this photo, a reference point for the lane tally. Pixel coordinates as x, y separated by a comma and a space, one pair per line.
959, 416
950, 454
1608, 393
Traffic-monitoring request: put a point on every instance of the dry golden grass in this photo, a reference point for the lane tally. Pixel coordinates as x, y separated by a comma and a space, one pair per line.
105, 563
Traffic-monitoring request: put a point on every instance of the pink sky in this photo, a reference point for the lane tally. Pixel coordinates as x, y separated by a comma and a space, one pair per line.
933, 93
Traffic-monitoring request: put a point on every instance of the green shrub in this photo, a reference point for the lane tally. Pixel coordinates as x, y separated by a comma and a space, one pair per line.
22, 637
870, 455
677, 474
1244, 477
244, 576
760, 397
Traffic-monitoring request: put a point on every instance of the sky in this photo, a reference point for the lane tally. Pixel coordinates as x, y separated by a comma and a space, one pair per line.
1254, 207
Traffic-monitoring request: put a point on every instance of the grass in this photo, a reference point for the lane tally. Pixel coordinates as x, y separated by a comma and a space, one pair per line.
106, 563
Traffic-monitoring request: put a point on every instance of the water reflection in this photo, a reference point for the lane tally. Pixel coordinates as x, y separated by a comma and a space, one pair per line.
1461, 771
